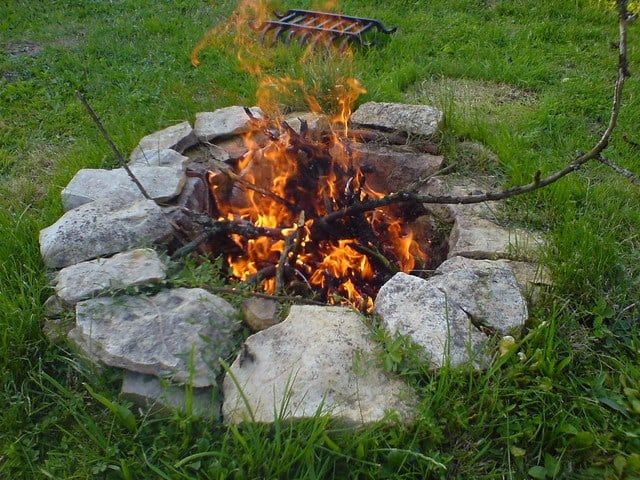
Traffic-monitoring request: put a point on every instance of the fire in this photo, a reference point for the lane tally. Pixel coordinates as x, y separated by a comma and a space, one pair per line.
290, 182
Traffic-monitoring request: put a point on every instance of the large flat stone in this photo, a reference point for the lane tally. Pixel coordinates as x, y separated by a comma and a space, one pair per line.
318, 359
102, 228
177, 137
414, 307
478, 238
393, 168
178, 333
415, 119
88, 279
486, 290
224, 122
462, 186
160, 158
151, 392
89, 184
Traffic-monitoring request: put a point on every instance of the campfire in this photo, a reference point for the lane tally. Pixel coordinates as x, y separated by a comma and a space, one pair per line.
288, 200
288, 197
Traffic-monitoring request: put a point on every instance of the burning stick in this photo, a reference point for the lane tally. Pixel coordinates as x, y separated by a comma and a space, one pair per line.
223, 227
289, 253
251, 186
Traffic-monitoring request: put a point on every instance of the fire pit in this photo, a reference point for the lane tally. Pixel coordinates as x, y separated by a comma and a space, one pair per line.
288, 197
284, 202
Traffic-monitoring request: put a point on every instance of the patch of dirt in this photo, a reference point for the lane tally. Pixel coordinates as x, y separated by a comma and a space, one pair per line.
71, 41
22, 49
10, 77
470, 93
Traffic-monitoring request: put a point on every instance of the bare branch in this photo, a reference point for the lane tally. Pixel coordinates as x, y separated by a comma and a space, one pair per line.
247, 293
116, 151
213, 227
409, 195
633, 178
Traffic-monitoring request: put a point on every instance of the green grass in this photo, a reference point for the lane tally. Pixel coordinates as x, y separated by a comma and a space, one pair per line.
568, 404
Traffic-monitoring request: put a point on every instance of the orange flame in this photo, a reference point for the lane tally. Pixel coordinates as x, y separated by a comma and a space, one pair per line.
336, 267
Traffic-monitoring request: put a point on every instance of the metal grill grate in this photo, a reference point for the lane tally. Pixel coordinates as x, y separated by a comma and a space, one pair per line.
318, 27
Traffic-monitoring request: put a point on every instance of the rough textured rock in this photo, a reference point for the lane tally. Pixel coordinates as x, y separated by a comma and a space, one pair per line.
318, 358
56, 329
415, 119
260, 313
460, 186
394, 168
89, 184
53, 307
531, 278
177, 137
160, 158
151, 392
486, 290
475, 237
195, 195
176, 333
234, 146
316, 122
414, 307
101, 228
88, 279
223, 122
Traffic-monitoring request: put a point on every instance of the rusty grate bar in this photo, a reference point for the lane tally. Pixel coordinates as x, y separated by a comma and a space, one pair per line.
312, 27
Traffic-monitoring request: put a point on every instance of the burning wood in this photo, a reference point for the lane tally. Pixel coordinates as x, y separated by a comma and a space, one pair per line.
292, 184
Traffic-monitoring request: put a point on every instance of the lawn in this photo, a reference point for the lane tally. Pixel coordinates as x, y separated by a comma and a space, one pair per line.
568, 406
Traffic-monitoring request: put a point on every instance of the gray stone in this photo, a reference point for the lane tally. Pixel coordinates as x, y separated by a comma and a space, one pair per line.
393, 168
177, 137
531, 278
151, 392
102, 228
316, 122
53, 307
160, 158
224, 122
234, 146
178, 333
88, 279
260, 313
320, 359
161, 183
486, 290
411, 306
462, 186
195, 196
56, 329
475, 237
415, 119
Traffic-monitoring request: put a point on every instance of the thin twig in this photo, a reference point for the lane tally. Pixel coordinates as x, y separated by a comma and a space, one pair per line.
292, 241
213, 227
633, 178
280, 267
376, 256
116, 151
283, 298
252, 186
